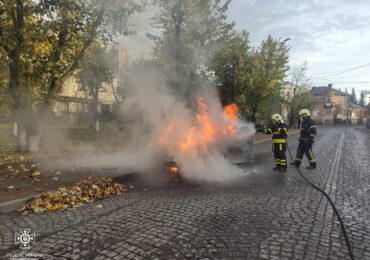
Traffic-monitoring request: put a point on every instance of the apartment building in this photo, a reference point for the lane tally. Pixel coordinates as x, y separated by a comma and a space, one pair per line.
333, 106
72, 103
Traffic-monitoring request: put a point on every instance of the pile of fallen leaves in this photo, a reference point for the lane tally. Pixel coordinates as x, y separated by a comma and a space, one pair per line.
74, 196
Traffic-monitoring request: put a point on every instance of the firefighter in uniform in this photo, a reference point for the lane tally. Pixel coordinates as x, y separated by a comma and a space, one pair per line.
306, 140
279, 135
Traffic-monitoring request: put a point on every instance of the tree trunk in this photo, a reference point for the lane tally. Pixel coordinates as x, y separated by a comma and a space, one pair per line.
254, 117
33, 142
15, 129
28, 141
22, 140
96, 126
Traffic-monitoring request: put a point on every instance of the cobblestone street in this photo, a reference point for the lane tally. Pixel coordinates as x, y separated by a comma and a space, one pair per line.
264, 215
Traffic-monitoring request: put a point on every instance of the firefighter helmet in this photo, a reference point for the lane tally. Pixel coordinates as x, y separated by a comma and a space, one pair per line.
276, 117
304, 112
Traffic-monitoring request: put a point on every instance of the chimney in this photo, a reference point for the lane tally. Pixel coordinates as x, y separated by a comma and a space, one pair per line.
330, 85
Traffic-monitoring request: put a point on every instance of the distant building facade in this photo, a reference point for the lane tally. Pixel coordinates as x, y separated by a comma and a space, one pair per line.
333, 106
72, 104
288, 92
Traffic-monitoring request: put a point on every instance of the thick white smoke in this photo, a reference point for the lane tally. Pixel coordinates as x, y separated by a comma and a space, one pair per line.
163, 128
196, 138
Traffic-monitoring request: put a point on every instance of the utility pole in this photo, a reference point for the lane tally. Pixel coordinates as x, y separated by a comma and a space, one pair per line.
347, 107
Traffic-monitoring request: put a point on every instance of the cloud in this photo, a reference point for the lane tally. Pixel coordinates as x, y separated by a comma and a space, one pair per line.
330, 35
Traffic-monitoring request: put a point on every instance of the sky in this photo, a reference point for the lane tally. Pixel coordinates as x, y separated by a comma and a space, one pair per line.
333, 36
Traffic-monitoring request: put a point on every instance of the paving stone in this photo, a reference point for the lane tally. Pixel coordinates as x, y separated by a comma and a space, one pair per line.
262, 216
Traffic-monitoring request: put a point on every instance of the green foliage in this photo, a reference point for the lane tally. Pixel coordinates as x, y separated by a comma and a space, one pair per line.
352, 97
191, 30
45, 40
362, 99
95, 68
251, 77
228, 63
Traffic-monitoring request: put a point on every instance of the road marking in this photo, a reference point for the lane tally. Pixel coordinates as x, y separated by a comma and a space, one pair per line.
325, 211
334, 169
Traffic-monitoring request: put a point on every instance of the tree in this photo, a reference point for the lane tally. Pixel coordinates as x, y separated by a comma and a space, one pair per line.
94, 70
262, 77
117, 78
362, 99
5, 99
352, 97
301, 97
190, 29
44, 41
228, 63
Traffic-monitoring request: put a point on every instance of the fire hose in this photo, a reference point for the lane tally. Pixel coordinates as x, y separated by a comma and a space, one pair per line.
332, 205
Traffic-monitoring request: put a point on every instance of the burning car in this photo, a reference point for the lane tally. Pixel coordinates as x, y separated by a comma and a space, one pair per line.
212, 133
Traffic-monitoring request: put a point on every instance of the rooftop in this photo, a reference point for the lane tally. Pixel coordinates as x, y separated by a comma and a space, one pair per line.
354, 105
324, 89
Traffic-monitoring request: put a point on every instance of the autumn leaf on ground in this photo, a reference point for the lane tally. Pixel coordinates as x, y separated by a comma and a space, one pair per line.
74, 196
36, 173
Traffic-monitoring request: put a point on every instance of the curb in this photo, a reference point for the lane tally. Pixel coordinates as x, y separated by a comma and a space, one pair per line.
14, 204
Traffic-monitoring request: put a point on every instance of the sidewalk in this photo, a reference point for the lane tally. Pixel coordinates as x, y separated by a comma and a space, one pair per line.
22, 180
14, 192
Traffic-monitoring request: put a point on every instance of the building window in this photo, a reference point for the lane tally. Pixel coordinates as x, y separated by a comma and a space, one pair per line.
104, 90
80, 107
317, 98
315, 113
65, 106
328, 99
328, 112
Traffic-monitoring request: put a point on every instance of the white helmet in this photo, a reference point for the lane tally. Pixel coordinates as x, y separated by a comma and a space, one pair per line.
304, 112
276, 117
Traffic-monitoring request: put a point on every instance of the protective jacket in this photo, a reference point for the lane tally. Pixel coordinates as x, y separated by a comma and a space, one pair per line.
308, 131
306, 140
279, 133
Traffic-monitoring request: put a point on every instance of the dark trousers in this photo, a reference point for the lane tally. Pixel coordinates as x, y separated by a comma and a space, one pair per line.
279, 155
305, 148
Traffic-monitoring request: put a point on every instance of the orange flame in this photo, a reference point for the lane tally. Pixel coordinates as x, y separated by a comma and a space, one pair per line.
231, 112
163, 140
207, 128
189, 140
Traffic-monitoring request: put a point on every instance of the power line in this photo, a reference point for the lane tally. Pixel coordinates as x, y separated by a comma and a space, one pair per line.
348, 82
325, 75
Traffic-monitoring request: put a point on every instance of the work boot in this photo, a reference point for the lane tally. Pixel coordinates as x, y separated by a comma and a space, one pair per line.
293, 164
282, 170
311, 167
275, 168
